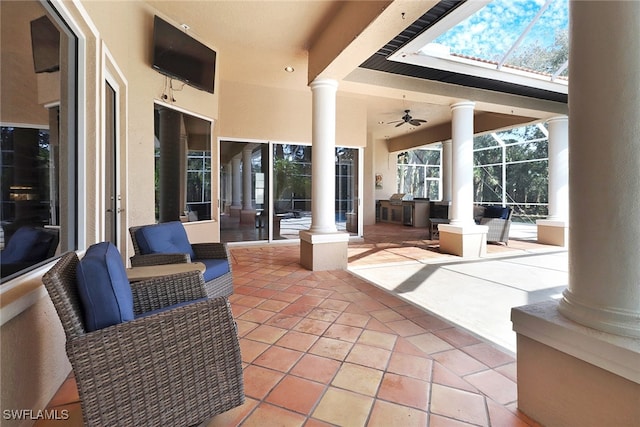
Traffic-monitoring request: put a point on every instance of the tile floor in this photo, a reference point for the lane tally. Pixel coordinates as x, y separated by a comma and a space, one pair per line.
328, 348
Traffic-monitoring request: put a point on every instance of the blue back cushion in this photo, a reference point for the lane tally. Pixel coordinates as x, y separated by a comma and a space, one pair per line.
103, 287
496, 212
215, 268
27, 244
164, 238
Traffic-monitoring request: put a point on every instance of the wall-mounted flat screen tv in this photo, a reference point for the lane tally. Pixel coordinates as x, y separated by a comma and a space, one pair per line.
180, 56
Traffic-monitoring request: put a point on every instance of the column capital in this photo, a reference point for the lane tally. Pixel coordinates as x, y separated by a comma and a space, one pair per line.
558, 119
323, 83
462, 104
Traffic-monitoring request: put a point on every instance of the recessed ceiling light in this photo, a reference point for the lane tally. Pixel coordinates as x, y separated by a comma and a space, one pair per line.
289, 69
381, 122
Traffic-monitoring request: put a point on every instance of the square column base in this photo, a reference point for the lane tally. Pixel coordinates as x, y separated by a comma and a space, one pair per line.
234, 211
323, 251
248, 216
554, 233
467, 241
572, 375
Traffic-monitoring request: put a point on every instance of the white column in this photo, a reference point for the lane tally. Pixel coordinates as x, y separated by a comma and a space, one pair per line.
446, 171
246, 178
558, 168
323, 156
236, 183
554, 230
604, 168
462, 161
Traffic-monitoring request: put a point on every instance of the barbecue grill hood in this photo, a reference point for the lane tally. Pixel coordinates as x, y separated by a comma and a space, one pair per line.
397, 198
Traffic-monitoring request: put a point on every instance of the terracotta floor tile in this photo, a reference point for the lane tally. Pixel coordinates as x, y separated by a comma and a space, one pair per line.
406, 347
259, 381
265, 293
238, 310
387, 315
350, 319
251, 349
459, 405
343, 332
66, 394
310, 300
298, 309
501, 416
440, 421
284, 321
256, 315
431, 323
333, 304
373, 357
410, 311
456, 337
494, 385
509, 370
324, 314
488, 355
250, 301
444, 376
459, 362
273, 305
316, 368
285, 296
429, 343
234, 416
378, 339
391, 414
267, 334
332, 348
343, 408
378, 326
316, 423
297, 394
245, 327
278, 358
265, 414
297, 340
411, 366
405, 328
405, 391
312, 326
358, 378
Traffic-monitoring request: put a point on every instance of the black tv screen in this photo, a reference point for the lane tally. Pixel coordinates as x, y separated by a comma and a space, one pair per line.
45, 45
178, 55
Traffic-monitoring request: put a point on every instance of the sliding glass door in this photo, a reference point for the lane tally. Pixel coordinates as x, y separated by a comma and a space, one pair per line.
266, 190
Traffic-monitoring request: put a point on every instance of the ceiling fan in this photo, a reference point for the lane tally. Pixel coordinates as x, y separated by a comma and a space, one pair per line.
408, 119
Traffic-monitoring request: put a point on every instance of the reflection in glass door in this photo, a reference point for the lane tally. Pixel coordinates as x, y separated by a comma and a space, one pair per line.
248, 213
111, 185
244, 178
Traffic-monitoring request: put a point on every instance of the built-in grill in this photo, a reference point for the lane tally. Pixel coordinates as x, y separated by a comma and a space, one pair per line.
398, 198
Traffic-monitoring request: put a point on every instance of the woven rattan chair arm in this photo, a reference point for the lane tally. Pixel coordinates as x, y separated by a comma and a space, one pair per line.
122, 369
168, 290
157, 259
210, 250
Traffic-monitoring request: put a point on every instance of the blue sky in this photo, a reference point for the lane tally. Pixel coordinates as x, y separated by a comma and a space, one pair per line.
491, 31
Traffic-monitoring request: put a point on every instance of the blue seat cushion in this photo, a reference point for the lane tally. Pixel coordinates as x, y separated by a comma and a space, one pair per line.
28, 244
496, 212
164, 238
171, 307
215, 268
103, 287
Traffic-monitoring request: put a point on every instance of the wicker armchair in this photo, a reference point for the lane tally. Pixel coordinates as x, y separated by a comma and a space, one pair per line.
216, 284
176, 367
498, 227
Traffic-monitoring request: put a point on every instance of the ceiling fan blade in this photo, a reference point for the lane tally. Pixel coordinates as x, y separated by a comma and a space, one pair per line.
401, 123
417, 122
395, 121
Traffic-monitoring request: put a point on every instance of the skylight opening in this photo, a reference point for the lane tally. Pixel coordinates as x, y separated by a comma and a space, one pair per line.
519, 41
525, 35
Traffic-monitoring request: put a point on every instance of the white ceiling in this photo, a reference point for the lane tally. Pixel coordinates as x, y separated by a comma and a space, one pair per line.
260, 38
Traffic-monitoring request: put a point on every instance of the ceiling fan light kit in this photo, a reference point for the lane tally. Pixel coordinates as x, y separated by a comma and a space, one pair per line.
408, 119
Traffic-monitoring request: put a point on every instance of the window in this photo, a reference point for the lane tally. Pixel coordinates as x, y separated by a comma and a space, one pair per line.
419, 172
182, 166
38, 135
